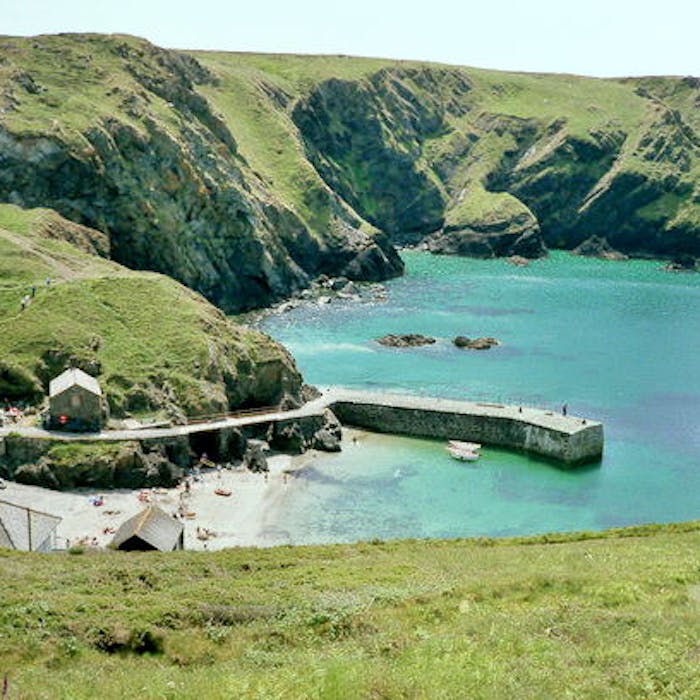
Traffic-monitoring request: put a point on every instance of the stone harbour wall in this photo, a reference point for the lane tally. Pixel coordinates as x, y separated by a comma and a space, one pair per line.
565, 439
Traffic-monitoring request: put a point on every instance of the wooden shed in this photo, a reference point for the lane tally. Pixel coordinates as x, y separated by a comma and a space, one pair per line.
151, 529
75, 402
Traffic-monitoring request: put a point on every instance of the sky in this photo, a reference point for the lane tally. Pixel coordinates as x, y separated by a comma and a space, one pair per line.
591, 37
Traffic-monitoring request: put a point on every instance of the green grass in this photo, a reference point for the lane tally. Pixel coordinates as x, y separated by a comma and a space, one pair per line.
266, 139
70, 453
296, 73
607, 615
80, 78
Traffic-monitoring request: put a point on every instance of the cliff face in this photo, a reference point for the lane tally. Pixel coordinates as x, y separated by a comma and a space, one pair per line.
486, 164
112, 133
243, 176
366, 139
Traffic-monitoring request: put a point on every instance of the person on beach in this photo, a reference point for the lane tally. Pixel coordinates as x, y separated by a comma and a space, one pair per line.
565, 410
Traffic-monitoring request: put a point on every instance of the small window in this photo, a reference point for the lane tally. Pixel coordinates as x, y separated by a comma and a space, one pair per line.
76, 401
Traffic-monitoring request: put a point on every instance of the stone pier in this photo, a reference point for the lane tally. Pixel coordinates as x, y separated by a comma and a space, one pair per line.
569, 440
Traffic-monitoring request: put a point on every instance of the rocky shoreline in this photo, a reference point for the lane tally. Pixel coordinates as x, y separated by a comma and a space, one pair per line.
159, 462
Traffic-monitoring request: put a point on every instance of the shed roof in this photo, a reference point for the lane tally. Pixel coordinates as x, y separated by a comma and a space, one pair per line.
74, 377
154, 526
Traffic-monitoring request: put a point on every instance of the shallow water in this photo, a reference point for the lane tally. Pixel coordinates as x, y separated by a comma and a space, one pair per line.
618, 342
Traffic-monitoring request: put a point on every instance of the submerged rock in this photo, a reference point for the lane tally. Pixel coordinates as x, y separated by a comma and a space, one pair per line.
406, 340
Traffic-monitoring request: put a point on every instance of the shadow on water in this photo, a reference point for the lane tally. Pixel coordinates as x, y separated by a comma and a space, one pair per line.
492, 310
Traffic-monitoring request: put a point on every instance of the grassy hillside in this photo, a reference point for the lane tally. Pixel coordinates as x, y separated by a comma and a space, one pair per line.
154, 344
613, 615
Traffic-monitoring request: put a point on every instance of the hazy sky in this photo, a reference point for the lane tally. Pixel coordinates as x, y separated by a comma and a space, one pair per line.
592, 37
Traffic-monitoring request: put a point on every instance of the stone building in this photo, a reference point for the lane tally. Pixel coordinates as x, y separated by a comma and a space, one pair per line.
75, 402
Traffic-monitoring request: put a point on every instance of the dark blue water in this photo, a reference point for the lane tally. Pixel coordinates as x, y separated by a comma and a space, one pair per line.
616, 341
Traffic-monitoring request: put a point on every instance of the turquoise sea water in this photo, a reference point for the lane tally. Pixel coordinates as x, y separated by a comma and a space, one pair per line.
616, 341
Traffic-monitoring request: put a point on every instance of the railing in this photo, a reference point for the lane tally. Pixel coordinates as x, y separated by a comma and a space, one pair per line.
243, 413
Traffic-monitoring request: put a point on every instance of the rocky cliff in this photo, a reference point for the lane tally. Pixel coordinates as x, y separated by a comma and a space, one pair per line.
112, 133
244, 176
482, 163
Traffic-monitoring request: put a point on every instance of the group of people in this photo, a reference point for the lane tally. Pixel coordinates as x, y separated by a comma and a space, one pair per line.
27, 298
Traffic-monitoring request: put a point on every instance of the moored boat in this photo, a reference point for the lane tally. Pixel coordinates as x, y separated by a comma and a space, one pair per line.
471, 446
463, 451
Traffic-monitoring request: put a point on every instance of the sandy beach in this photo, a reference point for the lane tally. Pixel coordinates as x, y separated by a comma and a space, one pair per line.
230, 521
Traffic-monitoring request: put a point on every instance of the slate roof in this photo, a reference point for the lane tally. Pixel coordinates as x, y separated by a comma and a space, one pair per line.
72, 377
152, 525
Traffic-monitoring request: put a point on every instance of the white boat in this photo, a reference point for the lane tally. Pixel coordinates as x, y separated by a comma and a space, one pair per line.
463, 451
470, 446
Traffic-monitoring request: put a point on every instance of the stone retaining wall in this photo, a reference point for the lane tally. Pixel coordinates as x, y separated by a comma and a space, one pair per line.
576, 441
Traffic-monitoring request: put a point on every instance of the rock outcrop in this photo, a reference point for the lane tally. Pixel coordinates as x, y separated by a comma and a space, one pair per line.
598, 247
682, 263
296, 436
254, 458
149, 163
125, 465
405, 340
518, 236
486, 343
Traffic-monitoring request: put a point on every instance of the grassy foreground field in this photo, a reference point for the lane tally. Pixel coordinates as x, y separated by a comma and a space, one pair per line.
607, 615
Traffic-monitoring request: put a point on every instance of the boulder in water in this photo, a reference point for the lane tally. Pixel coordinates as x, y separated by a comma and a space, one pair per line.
682, 263
405, 340
461, 341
